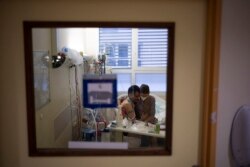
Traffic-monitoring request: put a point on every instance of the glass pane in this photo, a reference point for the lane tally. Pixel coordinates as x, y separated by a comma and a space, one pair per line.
116, 44
123, 82
156, 82
73, 124
152, 47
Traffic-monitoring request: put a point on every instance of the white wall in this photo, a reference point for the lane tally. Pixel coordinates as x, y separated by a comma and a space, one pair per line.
80, 39
72, 38
189, 17
92, 42
234, 81
51, 130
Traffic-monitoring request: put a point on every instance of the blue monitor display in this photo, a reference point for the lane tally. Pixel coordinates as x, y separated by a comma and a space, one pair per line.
99, 91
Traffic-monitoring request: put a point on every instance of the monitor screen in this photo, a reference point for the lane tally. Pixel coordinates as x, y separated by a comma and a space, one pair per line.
99, 91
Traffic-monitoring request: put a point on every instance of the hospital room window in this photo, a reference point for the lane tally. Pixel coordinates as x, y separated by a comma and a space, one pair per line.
136, 55
152, 47
116, 43
124, 80
156, 81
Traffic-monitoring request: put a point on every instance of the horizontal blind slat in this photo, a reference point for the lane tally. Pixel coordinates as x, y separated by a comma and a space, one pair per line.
152, 47
116, 42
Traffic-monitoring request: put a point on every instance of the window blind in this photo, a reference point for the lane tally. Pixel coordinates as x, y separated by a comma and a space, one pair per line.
116, 43
152, 47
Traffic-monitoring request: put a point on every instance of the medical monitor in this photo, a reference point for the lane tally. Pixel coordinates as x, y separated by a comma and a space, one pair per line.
99, 91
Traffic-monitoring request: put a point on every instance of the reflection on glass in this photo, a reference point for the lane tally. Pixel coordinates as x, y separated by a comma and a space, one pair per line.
41, 78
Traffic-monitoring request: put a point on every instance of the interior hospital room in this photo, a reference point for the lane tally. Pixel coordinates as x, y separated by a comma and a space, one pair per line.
81, 80
59, 98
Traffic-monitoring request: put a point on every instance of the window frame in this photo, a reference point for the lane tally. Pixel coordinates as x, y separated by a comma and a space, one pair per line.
31, 124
